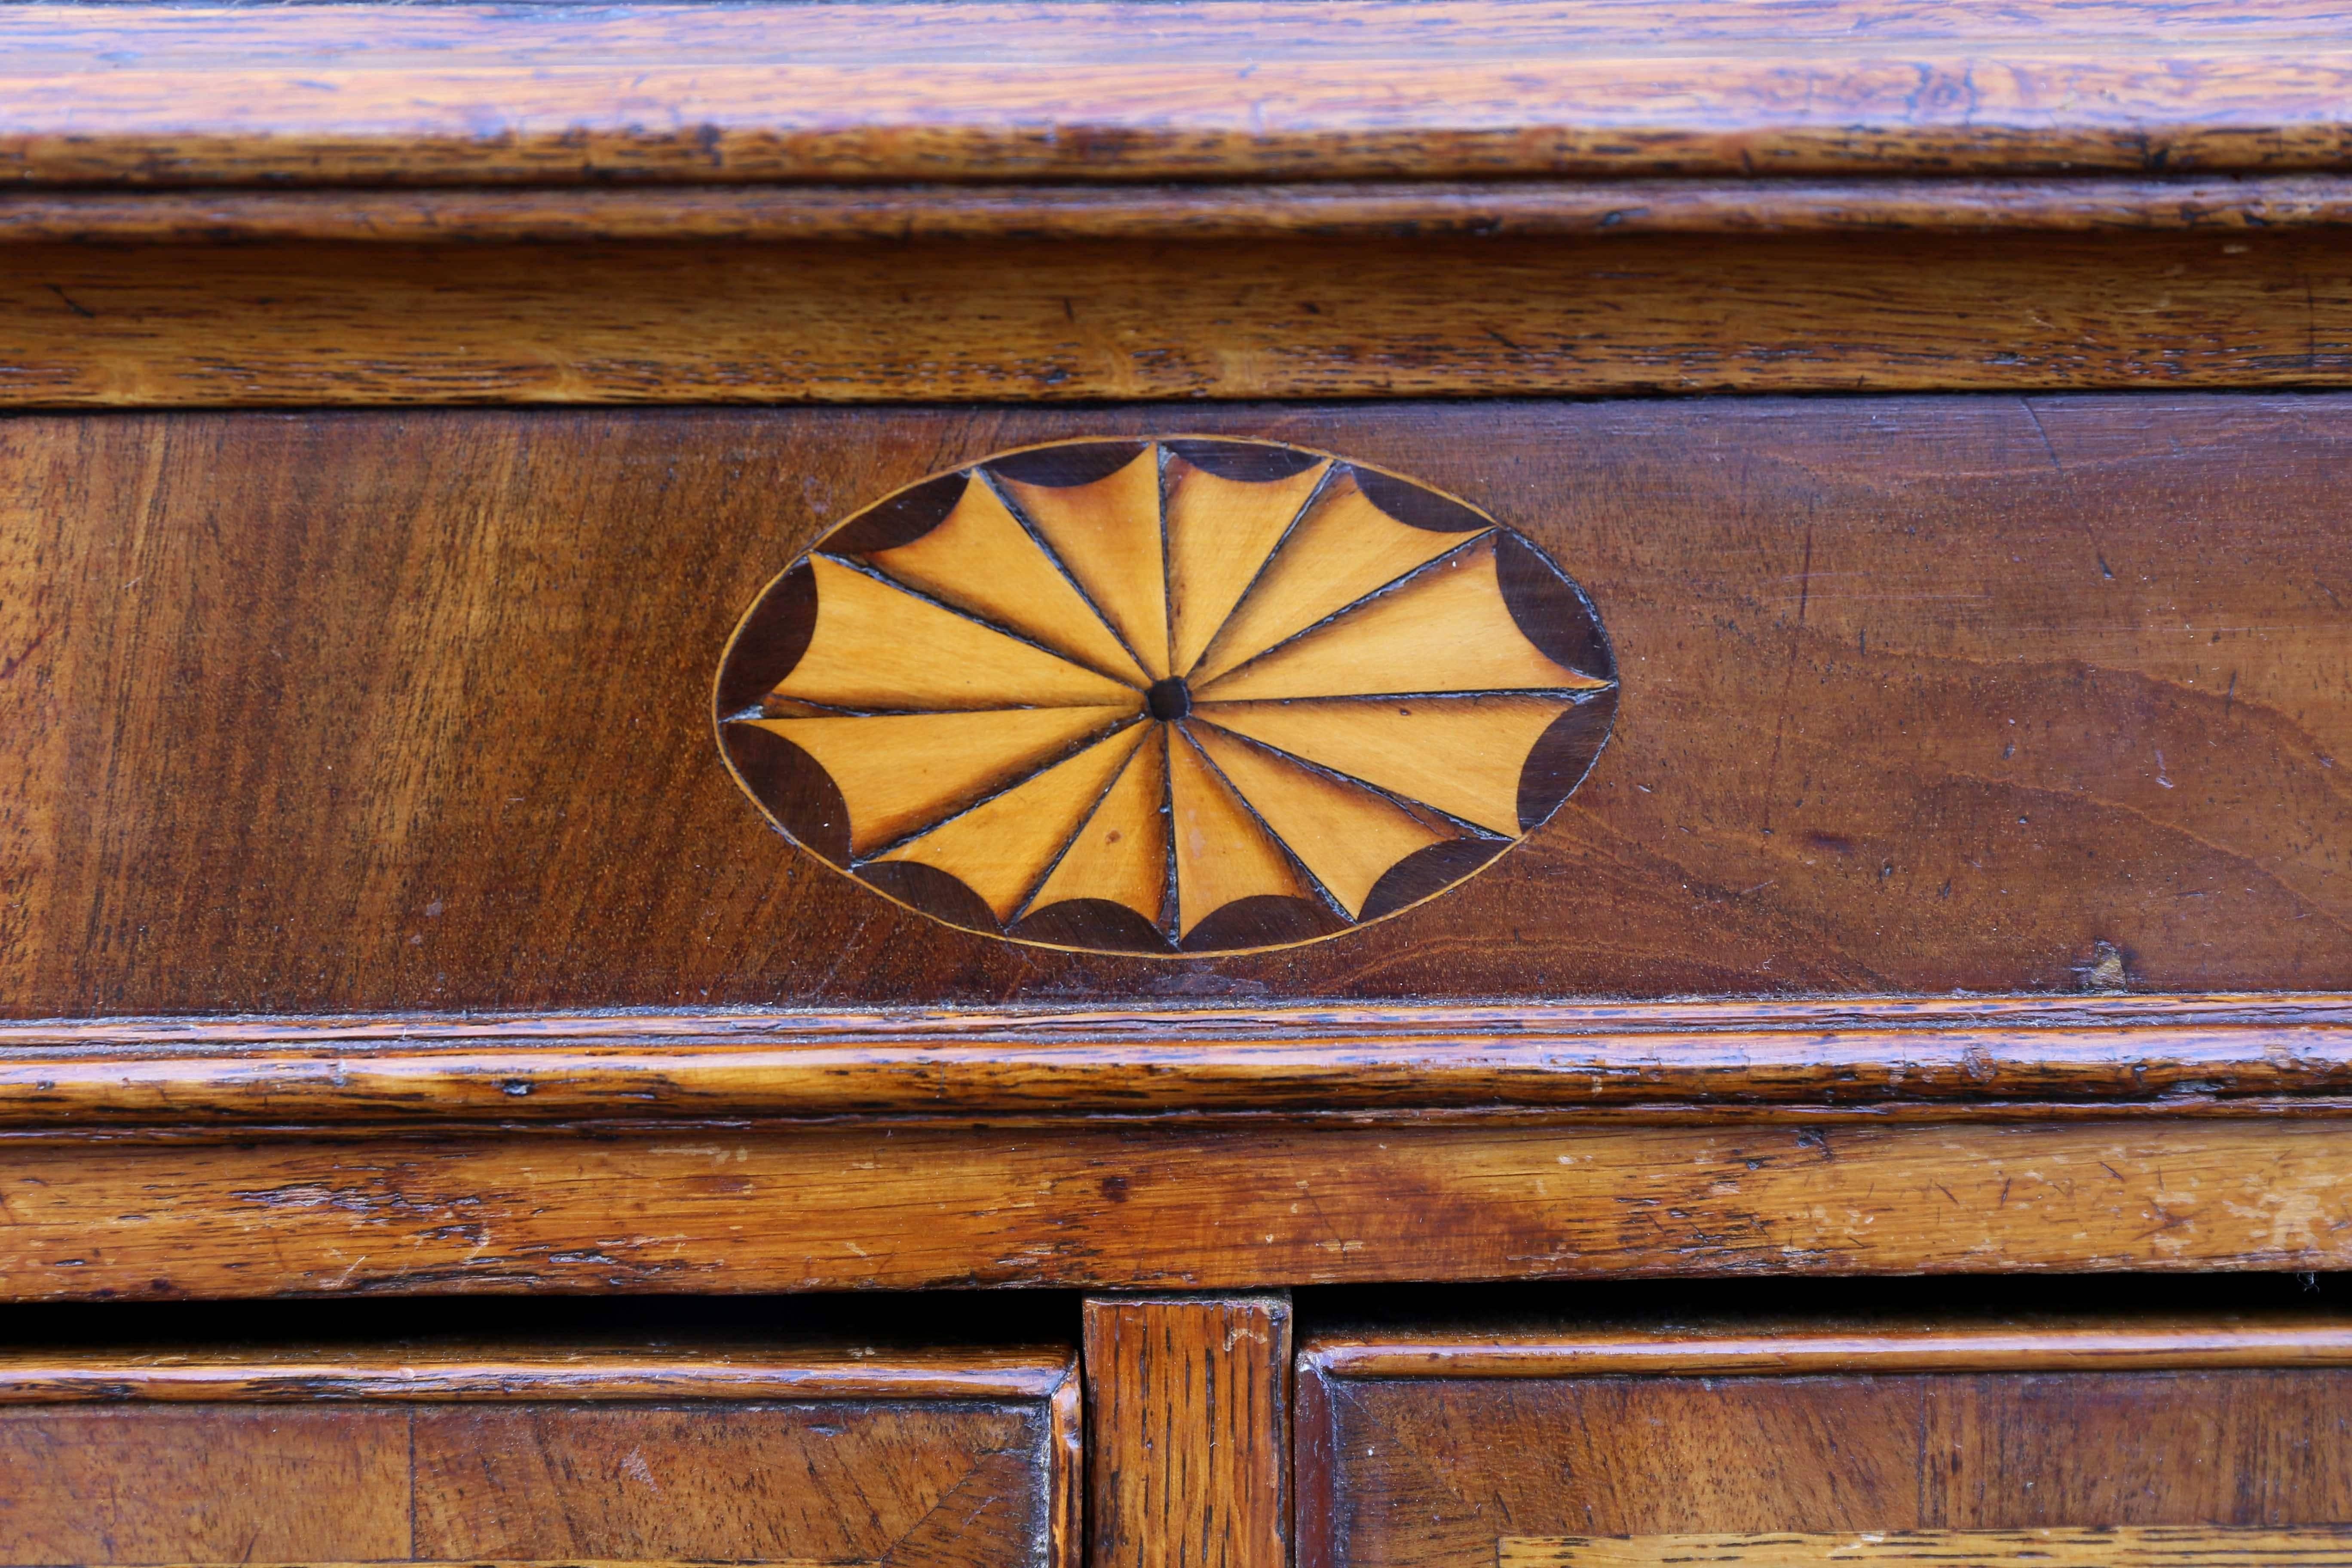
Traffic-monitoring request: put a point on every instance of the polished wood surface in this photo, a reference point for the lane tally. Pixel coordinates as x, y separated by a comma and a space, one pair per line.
238, 100
735, 1207
2174, 1546
1720, 1448
1187, 1424
1041, 318
1917, 695
1825, 1345
2106, 1057
350, 93
950, 694
1389, 210
407, 1456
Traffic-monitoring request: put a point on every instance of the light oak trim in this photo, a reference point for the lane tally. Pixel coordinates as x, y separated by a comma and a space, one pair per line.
727, 1208
588, 1375
785, 213
129, 94
2122, 1546
423, 323
1862, 1061
2176, 1344
1189, 1411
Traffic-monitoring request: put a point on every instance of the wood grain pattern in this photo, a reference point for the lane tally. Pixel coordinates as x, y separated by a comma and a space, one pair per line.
1221, 533
889, 704
221, 95
1188, 1428
1876, 1348
1874, 1060
1449, 627
1076, 320
877, 647
738, 1454
1224, 855
1933, 645
2173, 1546
738, 1207
1107, 532
1389, 210
1347, 838
567, 1375
2008, 1428
1005, 847
901, 772
981, 560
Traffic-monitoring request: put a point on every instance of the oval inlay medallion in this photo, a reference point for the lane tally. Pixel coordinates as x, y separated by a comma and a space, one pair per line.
1170, 697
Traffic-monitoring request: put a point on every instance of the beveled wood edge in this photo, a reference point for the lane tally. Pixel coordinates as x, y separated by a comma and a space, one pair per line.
772, 213
1079, 90
1066, 1460
1047, 1374
2189, 1343
1882, 1059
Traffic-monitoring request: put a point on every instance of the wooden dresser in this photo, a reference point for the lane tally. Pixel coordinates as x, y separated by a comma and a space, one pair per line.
1484, 783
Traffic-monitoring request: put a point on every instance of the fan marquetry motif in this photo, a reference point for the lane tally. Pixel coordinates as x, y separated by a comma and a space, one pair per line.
1168, 697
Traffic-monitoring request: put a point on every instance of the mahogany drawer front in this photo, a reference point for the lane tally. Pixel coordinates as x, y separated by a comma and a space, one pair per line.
2178, 1443
414, 709
964, 1459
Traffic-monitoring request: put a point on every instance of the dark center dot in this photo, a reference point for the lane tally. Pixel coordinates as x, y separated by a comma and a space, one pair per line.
1168, 699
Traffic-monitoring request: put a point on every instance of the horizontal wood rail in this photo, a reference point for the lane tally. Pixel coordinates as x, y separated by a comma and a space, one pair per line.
2127, 1546
593, 1375
772, 213
2182, 1344
1872, 1060
1273, 88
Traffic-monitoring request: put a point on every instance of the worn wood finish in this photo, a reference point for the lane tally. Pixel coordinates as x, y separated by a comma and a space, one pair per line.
2173, 1546
591, 1375
1388, 210
738, 1456
1188, 1420
2111, 1056
223, 95
1087, 319
1881, 1348
1917, 695
1429, 1460
744, 1208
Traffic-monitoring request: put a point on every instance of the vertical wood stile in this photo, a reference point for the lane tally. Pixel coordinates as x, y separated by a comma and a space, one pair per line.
1187, 1424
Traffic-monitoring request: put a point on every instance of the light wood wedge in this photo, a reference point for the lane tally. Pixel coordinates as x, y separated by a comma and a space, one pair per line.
1220, 533
1462, 755
900, 773
1344, 548
1002, 848
1446, 628
1223, 853
878, 647
1121, 854
1348, 836
1109, 535
981, 559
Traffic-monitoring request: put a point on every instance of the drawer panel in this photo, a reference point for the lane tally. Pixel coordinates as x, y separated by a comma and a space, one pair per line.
382, 712
947, 1458
2186, 1443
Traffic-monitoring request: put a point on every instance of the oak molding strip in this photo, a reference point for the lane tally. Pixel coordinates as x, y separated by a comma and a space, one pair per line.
2189, 1344
2104, 1546
1874, 1059
772, 214
1089, 88
590, 1376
